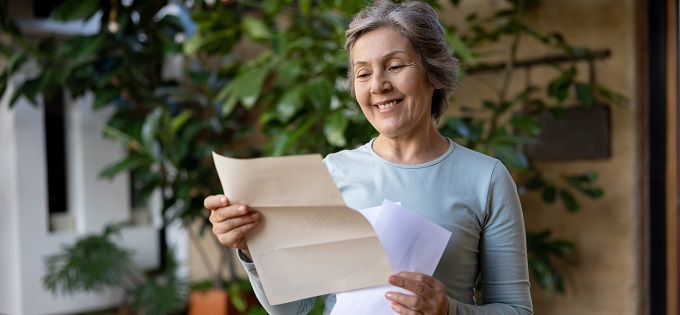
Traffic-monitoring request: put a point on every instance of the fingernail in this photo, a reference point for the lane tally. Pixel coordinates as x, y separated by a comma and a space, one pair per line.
255, 215
223, 200
241, 209
388, 295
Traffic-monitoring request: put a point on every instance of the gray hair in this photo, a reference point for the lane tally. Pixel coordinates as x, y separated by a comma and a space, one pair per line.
418, 22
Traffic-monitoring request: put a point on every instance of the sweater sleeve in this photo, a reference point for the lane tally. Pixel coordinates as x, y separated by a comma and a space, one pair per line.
503, 253
299, 307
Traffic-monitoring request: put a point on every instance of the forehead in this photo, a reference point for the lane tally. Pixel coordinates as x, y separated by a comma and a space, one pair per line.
379, 43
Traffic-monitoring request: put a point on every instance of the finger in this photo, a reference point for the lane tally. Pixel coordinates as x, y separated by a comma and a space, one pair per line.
403, 310
215, 202
408, 302
417, 283
236, 237
235, 222
231, 211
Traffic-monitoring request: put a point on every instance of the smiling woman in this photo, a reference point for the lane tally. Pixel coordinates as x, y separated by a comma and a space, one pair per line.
392, 90
401, 73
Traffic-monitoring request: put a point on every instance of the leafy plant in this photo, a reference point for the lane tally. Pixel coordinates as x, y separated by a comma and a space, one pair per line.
504, 125
95, 263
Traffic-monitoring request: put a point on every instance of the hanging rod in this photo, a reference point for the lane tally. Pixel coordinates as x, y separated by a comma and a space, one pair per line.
593, 55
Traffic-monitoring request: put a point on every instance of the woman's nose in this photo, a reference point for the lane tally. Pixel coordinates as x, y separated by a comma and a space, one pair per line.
380, 83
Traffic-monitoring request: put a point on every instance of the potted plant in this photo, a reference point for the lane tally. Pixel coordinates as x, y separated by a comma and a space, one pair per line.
95, 263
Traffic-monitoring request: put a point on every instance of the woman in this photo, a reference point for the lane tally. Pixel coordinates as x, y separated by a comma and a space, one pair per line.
401, 73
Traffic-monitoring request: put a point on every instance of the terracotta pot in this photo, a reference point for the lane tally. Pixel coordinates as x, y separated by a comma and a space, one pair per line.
210, 302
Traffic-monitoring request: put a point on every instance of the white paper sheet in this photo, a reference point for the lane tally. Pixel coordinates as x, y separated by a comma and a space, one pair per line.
412, 243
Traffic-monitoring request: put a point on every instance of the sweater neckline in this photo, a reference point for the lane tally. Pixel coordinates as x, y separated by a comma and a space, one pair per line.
423, 165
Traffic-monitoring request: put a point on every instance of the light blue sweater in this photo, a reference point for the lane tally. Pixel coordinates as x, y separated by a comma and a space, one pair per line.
468, 193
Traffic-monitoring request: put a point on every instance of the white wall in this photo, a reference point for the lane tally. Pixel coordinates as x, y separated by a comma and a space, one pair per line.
24, 230
10, 283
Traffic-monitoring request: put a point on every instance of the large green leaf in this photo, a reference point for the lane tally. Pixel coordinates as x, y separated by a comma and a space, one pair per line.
584, 93
289, 104
510, 156
83, 48
319, 93
16, 61
71, 10
256, 28
199, 41
460, 48
150, 130
526, 125
105, 96
559, 87
334, 128
305, 7
129, 163
244, 88
569, 201
177, 122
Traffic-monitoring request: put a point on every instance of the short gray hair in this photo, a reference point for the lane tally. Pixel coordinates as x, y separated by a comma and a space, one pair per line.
418, 22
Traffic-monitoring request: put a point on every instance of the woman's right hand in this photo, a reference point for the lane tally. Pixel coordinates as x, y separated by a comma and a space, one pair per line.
231, 221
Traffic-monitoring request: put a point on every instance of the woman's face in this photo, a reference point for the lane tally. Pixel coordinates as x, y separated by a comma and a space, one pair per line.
390, 84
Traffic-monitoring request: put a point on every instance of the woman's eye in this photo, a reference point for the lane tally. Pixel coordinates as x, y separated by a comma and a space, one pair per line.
362, 75
395, 67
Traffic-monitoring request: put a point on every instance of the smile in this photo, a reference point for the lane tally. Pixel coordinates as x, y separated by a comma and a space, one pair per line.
387, 105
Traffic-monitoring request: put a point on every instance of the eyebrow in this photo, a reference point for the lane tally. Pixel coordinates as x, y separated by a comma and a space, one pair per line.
386, 56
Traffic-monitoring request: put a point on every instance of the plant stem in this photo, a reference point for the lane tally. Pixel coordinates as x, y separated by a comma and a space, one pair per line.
204, 256
509, 66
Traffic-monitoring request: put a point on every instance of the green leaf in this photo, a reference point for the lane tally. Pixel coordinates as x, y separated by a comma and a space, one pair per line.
334, 128
200, 41
238, 300
549, 194
245, 88
129, 163
289, 104
82, 48
510, 156
179, 121
584, 93
256, 28
559, 88
150, 129
16, 61
526, 124
465, 128
305, 7
569, 201
611, 95
122, 137
105, 96
271, 7
3, 84
76, 10
319, 93
461, 49
535, 182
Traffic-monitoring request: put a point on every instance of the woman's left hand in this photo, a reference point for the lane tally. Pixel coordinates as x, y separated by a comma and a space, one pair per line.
429, 299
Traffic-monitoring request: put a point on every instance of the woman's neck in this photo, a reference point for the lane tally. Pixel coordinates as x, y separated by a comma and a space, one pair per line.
419, 148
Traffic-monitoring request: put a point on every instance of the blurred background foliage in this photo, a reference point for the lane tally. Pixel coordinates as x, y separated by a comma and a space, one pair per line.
268, 78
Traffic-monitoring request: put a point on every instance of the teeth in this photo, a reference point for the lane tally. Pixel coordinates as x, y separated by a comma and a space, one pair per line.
388, 105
